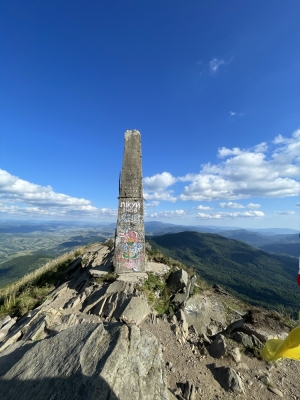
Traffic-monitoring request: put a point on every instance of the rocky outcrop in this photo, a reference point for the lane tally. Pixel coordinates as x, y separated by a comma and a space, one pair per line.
87, 361
87, 354
91, 339
182, 286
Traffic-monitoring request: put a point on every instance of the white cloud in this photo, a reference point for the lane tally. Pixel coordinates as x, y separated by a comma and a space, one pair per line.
158, 181
235, 114
67, 212
297, 205
261, 147
14, 189
224, 152
248, 173
253, 205
284, 212
231, 204
166, 195
165, 214
20, 197
152, 204
205, 208
155, 187
233, 215
215, 64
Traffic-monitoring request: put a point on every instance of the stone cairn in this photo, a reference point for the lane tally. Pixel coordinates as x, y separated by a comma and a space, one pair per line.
129, 255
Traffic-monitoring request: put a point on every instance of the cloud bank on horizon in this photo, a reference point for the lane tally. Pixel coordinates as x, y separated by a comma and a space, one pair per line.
268, 170
23, 198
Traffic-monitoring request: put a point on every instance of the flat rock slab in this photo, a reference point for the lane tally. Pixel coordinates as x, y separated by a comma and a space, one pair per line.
157, 268
203, 312
4, 321
136, 310
135, 277
87, 361
101, 258
99, 271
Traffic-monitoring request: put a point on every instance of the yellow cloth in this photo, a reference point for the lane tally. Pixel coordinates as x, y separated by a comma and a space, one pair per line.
288, 348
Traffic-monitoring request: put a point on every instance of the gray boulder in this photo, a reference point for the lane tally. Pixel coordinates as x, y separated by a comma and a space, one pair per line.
87, 361
187, 389
217, 349
249, 341
136, 310
178, 280
180, 298
228, 379
205, 313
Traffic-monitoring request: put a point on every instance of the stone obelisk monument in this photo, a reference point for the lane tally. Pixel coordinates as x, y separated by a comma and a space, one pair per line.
129, 253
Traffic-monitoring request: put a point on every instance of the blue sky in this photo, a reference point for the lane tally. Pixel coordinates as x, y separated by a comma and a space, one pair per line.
213, 87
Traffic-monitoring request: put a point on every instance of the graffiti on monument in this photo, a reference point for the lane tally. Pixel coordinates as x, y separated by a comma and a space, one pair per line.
134, 218
130, 206
130, 248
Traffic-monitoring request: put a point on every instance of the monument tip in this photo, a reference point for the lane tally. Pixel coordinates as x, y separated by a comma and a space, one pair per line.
130, 133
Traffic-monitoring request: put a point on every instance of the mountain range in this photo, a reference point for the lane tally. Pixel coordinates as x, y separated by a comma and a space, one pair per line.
230, 257
260, 278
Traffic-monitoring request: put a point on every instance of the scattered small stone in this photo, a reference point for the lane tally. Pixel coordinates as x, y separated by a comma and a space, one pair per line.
235, 354
229, 379
218, 347
275, 391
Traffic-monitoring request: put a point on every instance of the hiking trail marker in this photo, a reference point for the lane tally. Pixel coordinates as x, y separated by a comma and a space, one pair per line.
129, 255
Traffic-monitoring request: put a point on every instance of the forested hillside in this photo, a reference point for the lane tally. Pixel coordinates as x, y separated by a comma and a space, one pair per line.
253, 275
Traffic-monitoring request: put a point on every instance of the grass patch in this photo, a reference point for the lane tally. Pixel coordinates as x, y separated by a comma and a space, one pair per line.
109, 243
155, 288
285, 317
30, 291
157, 293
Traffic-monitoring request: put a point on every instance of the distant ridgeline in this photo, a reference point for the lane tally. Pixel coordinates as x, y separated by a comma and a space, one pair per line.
253, 275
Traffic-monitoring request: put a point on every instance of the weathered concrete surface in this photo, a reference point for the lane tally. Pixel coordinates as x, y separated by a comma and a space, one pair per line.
130, 234
87, 361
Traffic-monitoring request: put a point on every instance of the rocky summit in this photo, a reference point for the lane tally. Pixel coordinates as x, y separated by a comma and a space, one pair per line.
98, 336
